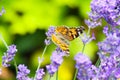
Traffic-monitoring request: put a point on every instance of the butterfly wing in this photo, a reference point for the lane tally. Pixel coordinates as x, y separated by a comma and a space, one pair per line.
69, 33
64, 31
61, 42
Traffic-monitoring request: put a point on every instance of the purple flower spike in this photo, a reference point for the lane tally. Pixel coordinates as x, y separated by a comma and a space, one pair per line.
23, 72
105, 30
107, 9
47, 41
57, 58
117, 73
82, 59
12, 49
86, 38
56, 61
112, 41
9, 55
39, 74
52, 69
92, 24
51, 31
83, 64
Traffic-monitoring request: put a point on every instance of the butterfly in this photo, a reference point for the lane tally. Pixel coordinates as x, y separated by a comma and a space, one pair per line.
63, 35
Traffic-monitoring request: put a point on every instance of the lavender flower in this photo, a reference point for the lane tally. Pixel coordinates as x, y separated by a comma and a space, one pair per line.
94, 16
86, 38
52, 68
47, 41
109, 66
108, 69
84, 60
56, 61
9, 55
107, 9
2, 12
39, 74
83, 64
118, 49
23, 72
111, 43
105, 30
117, 73
51, 31
92, 24
92, 71
57, 58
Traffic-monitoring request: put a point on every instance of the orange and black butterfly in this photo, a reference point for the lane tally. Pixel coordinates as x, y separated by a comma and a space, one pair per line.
63, 35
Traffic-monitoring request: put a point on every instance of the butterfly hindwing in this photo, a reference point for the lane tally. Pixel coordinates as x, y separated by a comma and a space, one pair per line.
61, 42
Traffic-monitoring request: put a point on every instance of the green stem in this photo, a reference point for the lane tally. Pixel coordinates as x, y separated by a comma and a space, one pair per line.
8, 48
15, 64
4, 41
49, 77
57, 75
76, 71
88, 31
40, 61
44, 51
83, 48
98, 62
41, 58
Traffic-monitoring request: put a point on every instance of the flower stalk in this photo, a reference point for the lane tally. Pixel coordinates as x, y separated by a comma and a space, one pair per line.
40, 60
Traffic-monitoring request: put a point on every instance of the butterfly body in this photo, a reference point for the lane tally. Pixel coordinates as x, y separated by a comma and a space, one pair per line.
63, 35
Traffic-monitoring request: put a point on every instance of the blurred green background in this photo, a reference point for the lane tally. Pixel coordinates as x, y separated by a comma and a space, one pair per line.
25, 23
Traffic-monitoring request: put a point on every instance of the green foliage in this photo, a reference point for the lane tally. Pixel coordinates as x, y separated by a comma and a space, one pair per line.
28, 15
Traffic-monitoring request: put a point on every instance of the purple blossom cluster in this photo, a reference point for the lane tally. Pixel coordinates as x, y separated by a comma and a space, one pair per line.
56, 61
112, 41
109, 49
109, 10
82, 64
39, 74
110, 54
23, 72
109, 68
86, 38
49, 33
9, 55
